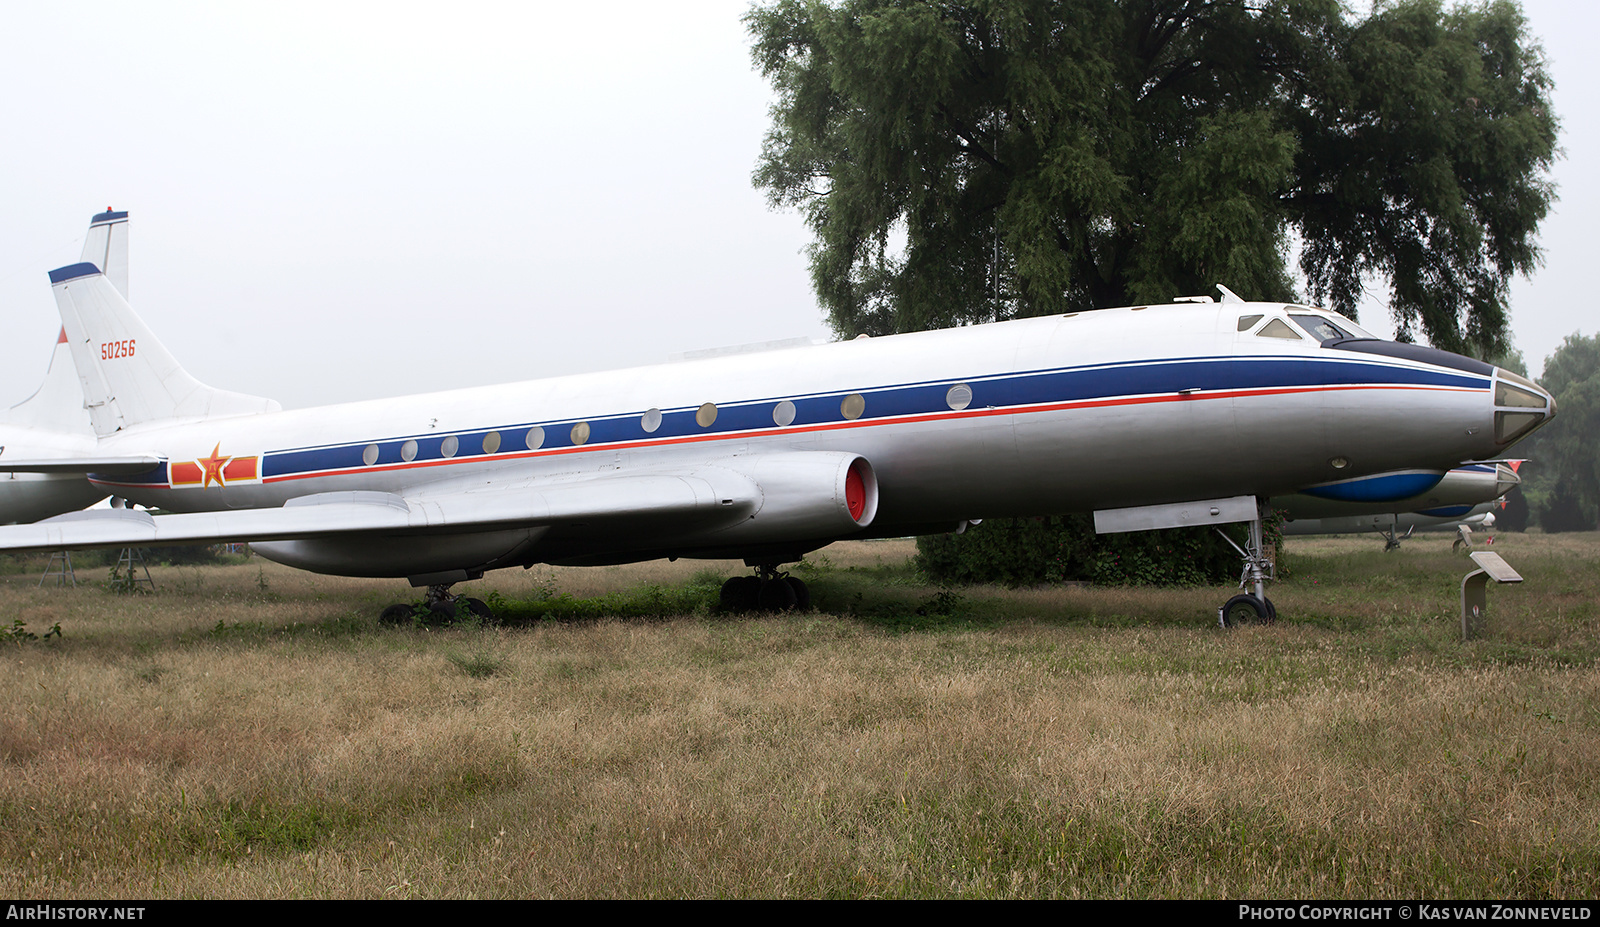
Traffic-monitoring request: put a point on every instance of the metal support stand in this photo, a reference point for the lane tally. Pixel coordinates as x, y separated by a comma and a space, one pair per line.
1474, 586
130, 557
1463, 539
64, 572
1393, 537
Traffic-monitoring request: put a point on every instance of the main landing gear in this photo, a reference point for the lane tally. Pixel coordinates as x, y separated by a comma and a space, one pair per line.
768, 591
441, 608
1252, 606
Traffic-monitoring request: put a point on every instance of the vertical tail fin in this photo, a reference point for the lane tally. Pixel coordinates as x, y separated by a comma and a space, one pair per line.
57, 405
106, 247
128, 376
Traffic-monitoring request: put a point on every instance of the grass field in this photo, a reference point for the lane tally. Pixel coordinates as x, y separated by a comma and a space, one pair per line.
252, 731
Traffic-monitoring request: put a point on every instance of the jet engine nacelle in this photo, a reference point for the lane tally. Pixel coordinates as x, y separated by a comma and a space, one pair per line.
803, 495
731, 503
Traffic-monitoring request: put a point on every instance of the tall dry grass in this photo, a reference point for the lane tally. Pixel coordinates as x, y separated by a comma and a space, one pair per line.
252, 731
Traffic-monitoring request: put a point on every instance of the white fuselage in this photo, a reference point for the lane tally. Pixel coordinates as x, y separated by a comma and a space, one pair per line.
1094, 410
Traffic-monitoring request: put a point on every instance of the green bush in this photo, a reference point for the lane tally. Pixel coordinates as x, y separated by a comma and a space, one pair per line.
1034, 551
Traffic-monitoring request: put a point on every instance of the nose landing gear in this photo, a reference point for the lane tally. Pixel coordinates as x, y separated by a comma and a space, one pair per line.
1393, 537
1252, 606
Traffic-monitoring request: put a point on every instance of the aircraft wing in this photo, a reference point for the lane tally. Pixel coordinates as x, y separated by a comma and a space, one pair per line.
783, 497
117, 466
702, 499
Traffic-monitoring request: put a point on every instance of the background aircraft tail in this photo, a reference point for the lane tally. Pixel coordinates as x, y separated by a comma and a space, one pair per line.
57, 405
127, 374
106, 247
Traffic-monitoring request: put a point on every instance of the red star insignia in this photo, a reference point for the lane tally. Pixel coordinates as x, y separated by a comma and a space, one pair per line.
213, 467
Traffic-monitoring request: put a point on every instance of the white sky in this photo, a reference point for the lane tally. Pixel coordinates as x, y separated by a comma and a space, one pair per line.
344, 201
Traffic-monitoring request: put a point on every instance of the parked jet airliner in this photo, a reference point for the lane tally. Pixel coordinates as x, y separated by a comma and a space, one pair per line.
1150, 416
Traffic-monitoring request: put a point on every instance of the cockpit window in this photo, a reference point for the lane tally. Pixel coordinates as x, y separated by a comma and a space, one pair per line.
1506, 394
1319, 328
1247, 322
1278, 328
1355, 330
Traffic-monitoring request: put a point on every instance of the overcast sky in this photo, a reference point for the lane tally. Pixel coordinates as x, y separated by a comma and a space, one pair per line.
344, 201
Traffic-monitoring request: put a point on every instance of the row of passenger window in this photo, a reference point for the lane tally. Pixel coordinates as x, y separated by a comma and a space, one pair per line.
852, 407
451, 445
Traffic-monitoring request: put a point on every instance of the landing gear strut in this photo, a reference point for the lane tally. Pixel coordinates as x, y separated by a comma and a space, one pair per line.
1393, 537
770, 590
1252, 606
441, 606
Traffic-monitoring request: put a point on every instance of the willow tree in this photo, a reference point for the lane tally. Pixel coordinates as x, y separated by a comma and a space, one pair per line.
1563, 469
970, 161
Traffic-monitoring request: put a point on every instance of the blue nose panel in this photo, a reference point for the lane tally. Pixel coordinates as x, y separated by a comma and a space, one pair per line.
1385, 487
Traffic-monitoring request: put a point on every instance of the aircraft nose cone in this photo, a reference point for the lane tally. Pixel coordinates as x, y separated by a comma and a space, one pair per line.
1504, 479
1521, 406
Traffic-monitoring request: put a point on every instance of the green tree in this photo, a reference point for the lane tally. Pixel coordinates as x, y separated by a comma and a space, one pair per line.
1563, 470
969, 161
